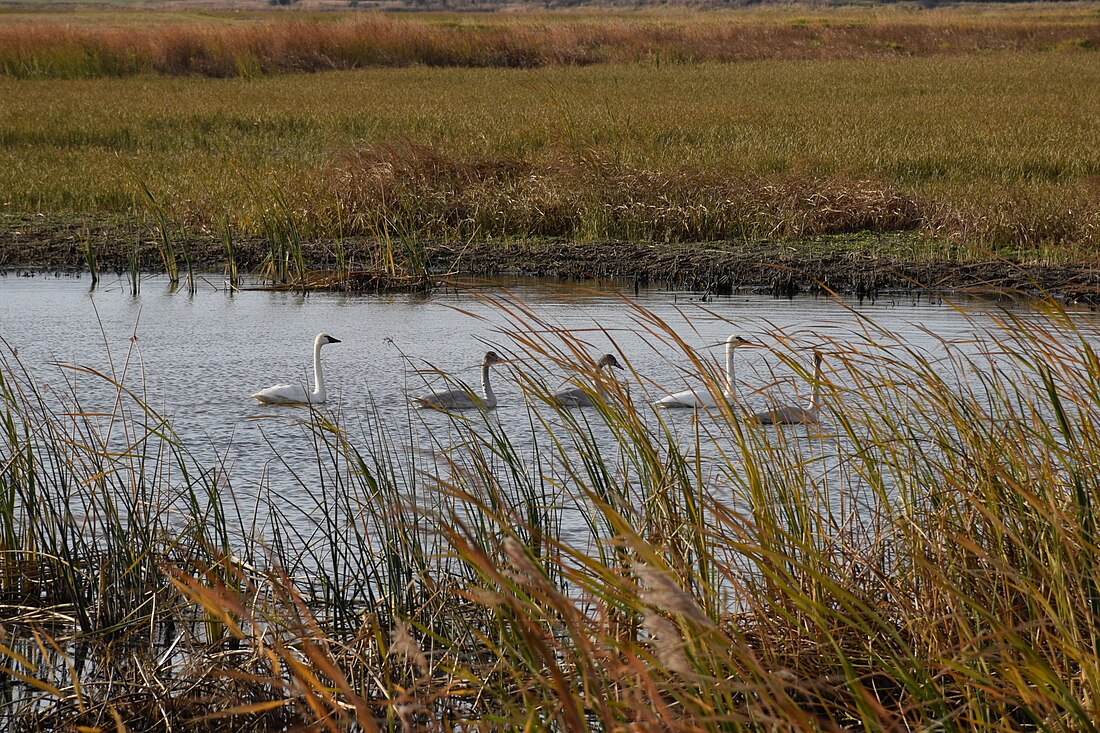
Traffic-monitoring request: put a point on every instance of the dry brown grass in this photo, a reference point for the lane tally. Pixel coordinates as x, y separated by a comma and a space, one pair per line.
417, 189
42, 47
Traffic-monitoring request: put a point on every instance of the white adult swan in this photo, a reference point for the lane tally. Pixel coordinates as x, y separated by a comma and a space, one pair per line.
576, 396
295, 394
792, 414
464, 398
705, 398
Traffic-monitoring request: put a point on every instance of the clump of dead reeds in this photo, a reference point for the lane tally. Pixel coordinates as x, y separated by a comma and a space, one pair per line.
429, 194
587, 196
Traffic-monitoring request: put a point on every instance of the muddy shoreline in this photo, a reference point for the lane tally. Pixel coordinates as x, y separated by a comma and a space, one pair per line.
30, 246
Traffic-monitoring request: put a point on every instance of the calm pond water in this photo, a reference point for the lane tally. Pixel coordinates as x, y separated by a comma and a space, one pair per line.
198, 357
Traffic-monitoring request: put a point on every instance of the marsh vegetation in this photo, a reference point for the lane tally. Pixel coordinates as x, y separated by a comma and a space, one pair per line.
927, 553
926, 556
976, 142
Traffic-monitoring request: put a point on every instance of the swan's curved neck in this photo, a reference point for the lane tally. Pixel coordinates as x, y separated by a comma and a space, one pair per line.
486, 388
815, 396
729, 370
601, 391
318, 375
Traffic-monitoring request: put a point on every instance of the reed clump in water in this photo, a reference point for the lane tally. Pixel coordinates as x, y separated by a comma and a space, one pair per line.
926, 554
88, 252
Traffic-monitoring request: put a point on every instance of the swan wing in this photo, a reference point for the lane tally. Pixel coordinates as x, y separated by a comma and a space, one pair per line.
453, 399
572, 397
282, 394
786, 415
687, 398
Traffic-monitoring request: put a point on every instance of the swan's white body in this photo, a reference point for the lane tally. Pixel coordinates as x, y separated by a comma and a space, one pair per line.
464, 398
793, 414
577, 396
705, 398
295, 394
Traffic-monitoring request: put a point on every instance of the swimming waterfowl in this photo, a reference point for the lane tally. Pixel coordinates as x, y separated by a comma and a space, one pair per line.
705, 398
465, 398
793, 414
577, 396
296, 394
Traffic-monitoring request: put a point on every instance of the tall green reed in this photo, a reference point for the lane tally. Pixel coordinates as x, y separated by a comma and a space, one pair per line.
285, 263
133, 265
232, 276
88, 251
89, 498
166, 243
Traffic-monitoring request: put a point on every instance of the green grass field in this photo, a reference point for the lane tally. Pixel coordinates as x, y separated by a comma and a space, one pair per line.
983, 151
974, 131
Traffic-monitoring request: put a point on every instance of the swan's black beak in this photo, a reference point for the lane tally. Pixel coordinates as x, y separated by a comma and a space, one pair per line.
333, 340
725, 342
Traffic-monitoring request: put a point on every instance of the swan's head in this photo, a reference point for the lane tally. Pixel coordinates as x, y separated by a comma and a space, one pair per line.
736, 340
491, 358
324, 338
608, 360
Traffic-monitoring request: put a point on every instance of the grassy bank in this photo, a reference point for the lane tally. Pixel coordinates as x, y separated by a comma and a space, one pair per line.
927, 557
973, 154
